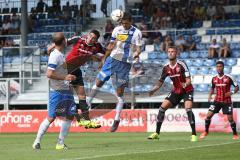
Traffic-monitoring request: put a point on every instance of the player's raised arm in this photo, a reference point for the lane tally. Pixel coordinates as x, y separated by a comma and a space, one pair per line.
157, 86
108, 51
50, 48
72, 40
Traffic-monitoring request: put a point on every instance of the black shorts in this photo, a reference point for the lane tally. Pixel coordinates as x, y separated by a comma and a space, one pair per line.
227, 108
79, 80
176, 98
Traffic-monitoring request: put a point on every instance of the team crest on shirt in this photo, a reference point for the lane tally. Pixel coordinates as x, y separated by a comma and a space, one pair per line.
122, 37
225, 80
178, 69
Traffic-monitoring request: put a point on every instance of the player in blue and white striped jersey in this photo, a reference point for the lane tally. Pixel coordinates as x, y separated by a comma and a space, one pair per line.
124, 47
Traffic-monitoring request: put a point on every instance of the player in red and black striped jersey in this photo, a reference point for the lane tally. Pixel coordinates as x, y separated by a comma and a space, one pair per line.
222, 83
85, 48
182, 89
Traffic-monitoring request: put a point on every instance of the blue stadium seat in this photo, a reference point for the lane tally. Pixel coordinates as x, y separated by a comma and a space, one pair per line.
234, 46
152, 55
210, 32
203, 54
162, 55
209, 62
7, 59
227, 69
231, 62
235, 54
184, 55
212, 71
197, 24
188, 62
193, 54
197, 38
193, 70
44, 58
198, 63
203, 70
202, 88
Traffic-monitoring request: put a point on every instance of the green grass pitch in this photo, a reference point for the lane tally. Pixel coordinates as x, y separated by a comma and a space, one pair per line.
121, 146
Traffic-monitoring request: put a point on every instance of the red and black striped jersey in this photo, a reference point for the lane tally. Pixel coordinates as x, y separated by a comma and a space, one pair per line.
223, 85
178, 74
81, 51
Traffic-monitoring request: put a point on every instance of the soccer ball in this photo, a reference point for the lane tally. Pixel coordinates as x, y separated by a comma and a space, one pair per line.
116, 15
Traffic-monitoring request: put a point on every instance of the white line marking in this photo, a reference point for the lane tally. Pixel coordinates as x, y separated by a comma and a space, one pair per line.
153, 151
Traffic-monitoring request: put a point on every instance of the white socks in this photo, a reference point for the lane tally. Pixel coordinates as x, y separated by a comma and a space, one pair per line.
64, 130
93, 93
119, 108
42, 130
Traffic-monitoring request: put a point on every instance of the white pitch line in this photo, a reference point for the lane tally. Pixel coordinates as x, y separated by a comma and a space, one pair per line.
153, 151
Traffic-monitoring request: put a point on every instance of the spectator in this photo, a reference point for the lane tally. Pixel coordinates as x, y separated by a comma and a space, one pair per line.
8, 42
66, 13
56, 7
137, 68
104, 7
190, 44
211, 12
40, 6
166, 43
6, 26
225, 49
156, 38
108, 30
220, 13
166, 19
157, 16
199, 12
213, 49
32, 19
180, 43
15, 24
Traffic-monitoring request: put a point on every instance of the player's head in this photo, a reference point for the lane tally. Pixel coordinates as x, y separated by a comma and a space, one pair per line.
172, 52
59, 39
126, 20
220, 67
92, 37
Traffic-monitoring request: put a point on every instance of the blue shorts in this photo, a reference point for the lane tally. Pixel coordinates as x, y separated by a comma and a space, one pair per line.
61, 103
113, 66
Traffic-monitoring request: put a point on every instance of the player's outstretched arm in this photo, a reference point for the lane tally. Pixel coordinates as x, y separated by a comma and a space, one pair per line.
97, 57
50, 48
157, 86
109, 49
